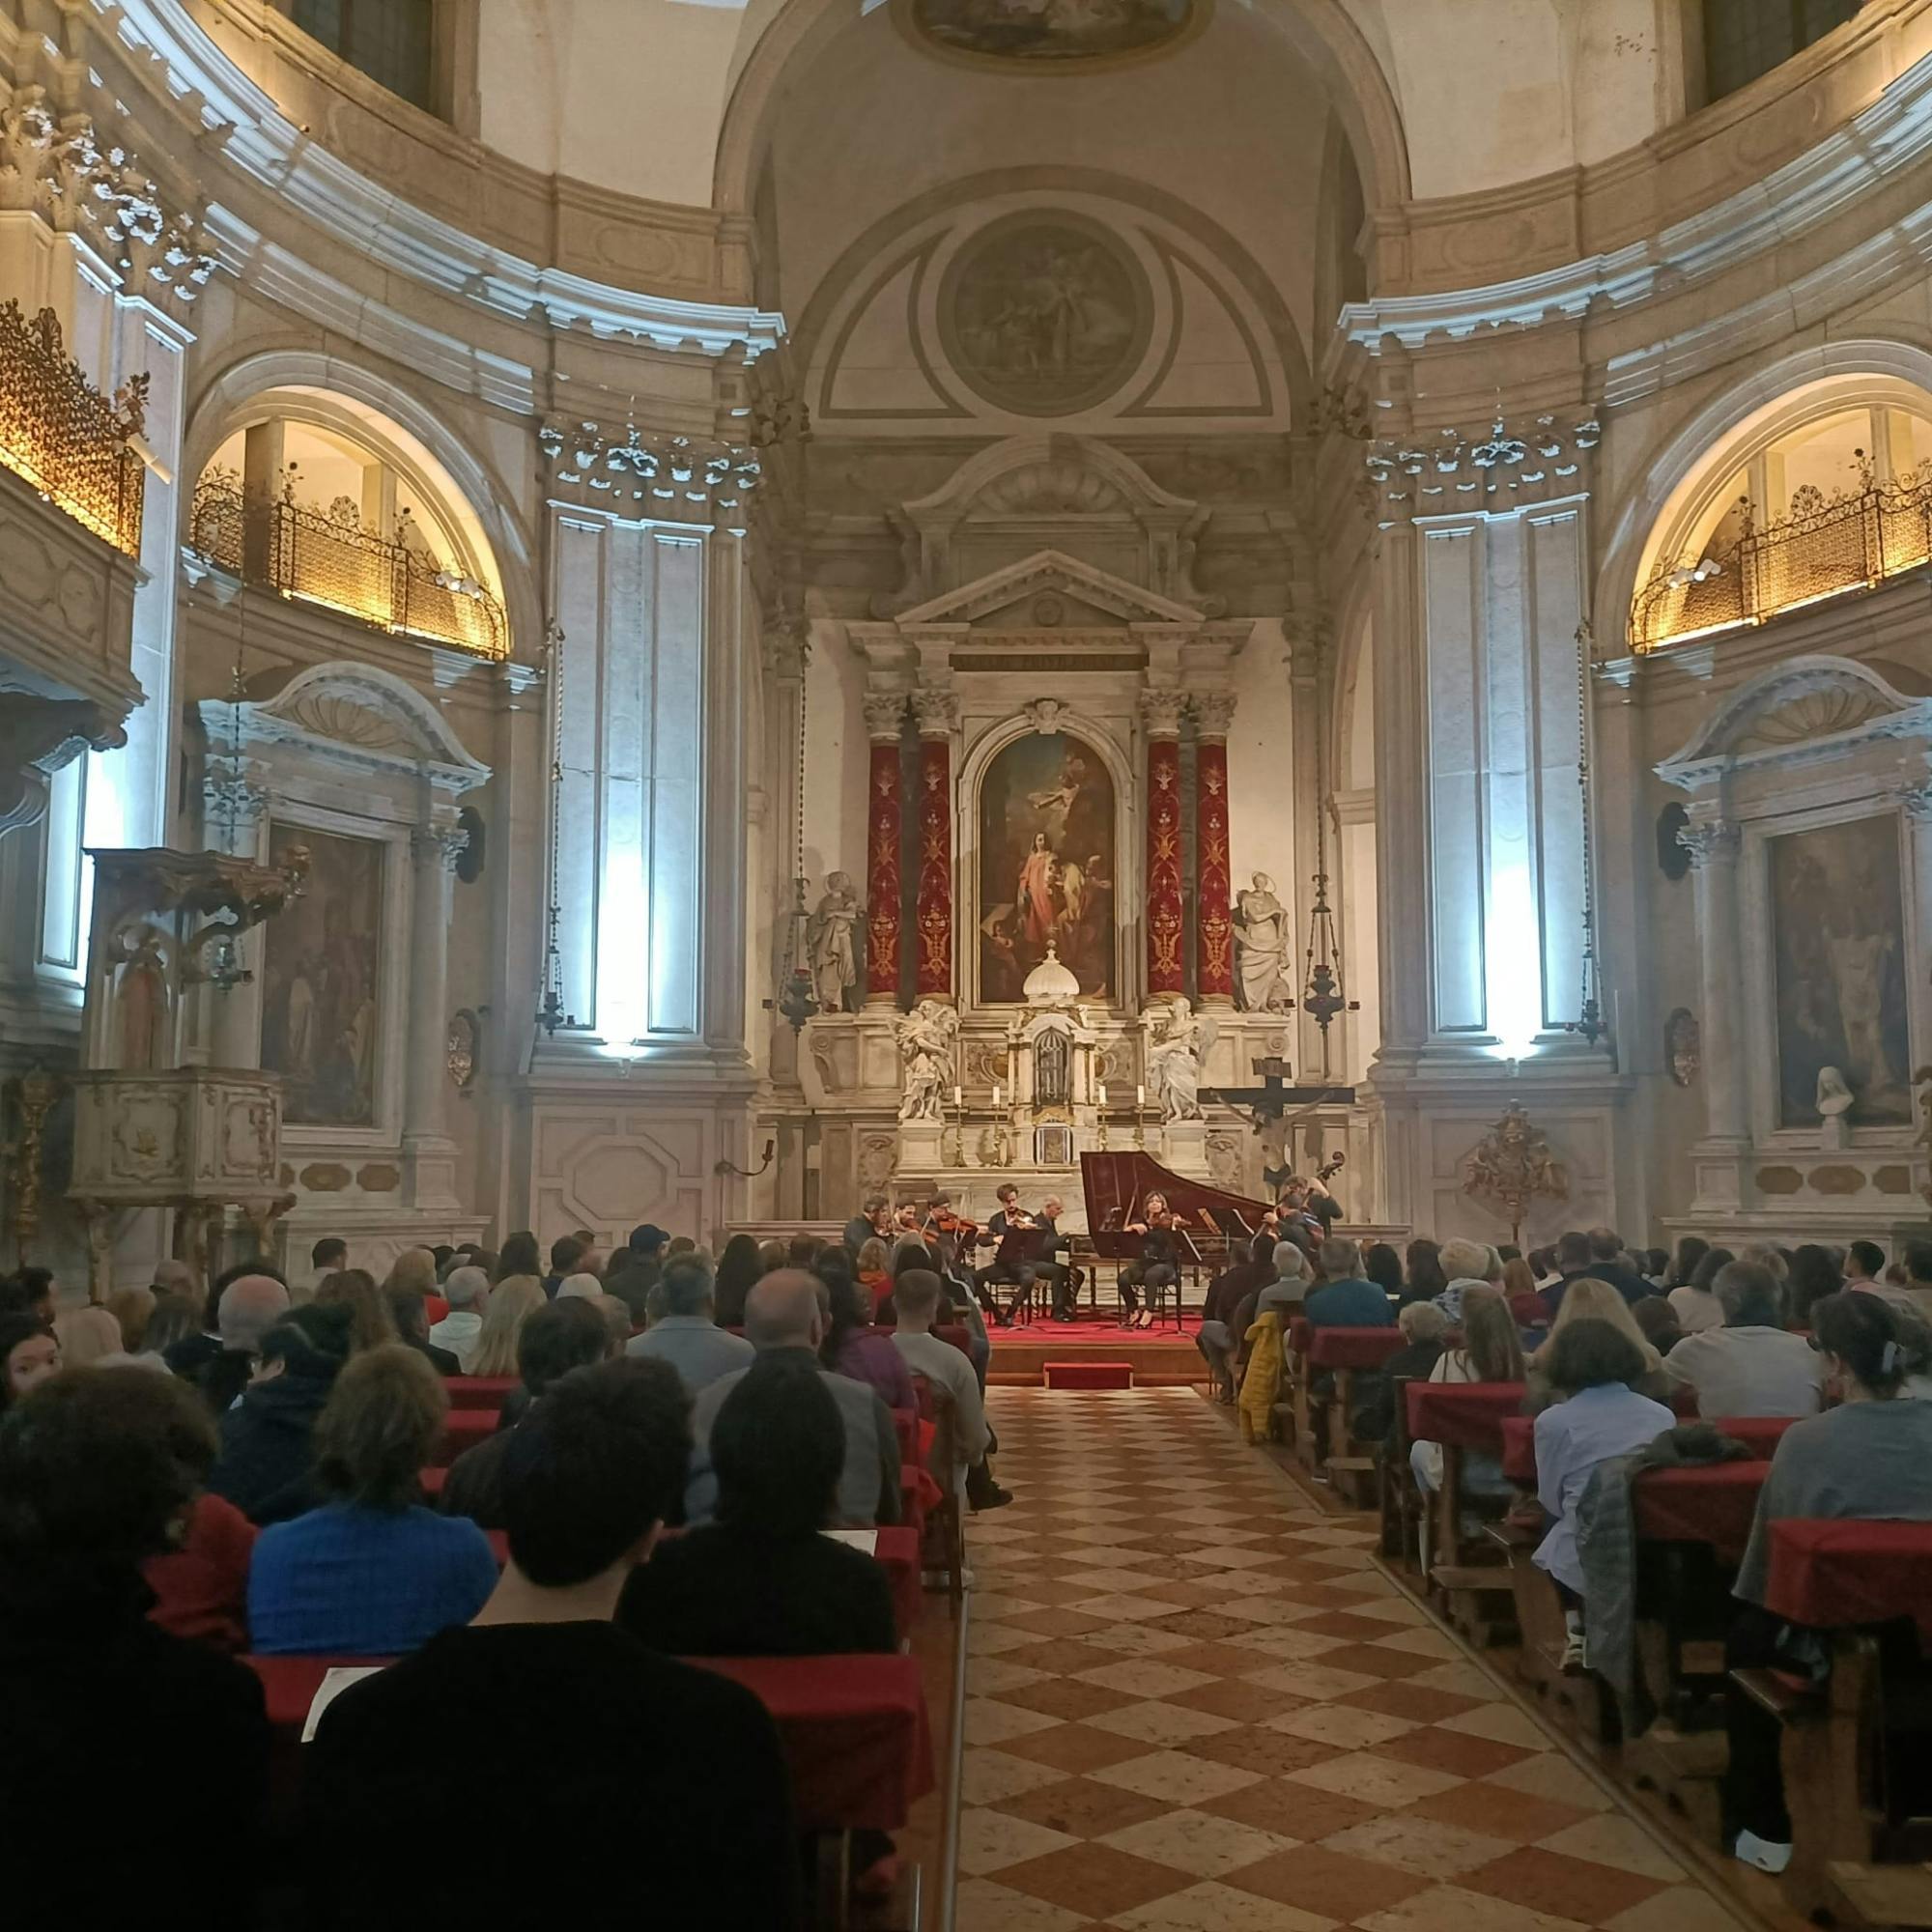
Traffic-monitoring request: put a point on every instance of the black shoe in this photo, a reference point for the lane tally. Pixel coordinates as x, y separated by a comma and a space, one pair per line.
992, 1499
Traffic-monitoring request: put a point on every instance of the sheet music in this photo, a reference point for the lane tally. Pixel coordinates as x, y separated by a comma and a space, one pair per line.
866, 1540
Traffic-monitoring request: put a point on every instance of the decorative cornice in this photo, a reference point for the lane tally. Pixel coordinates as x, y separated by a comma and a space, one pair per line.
1457, 470
667, 475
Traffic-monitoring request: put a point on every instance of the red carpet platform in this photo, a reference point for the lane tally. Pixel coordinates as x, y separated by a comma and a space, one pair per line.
1160, 1358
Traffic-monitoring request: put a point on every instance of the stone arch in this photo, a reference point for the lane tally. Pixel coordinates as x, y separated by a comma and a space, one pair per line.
790, 37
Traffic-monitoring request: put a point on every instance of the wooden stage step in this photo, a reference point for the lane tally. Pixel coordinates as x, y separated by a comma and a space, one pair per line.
1159, 1359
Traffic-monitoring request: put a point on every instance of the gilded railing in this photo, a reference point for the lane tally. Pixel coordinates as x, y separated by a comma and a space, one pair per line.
1826, 545
326, 558
61, 434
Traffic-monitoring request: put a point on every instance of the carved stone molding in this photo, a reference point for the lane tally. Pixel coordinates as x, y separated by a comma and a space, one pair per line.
884, 713
1213, 713
1161, 711
38, 736
1713, 844
937, 711
1451, 469
677, 477
787, 644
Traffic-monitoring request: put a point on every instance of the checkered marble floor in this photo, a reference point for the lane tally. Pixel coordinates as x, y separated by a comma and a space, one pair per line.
1192, 1706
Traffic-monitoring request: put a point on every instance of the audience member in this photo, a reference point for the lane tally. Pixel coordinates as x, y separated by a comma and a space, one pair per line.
414, 1271
565, 1252
29, 1292
518, 1256
265, 1465
738, 1268
1423, 1330
410, 1314
175, 1318
327, 1256
1691, 1249
1217, 1338
250, 1306
86, 1335
1423, 1277
686, 1335
1491, 1351
201, 1580
917, 1293
1695, 1304
782, 1317
1752, 1365
874, 1275
1467, 1265
851, 1346
601, 1740
1609, 1262
1865, 1266
132, 1309
762, 1581
1345, 1301
29, 1353
1572, 1261
99, 1471
771, 1257
193, 1353
1520, 1292
370, 1571
1917, 1255
1382, 1265
372, 1325
1658, 1323
1596, 1301
1865, 1459
1815, 1274
1288, 1291
561, 1336
460, 1332
493, 1350
581, 1287
1602, 1415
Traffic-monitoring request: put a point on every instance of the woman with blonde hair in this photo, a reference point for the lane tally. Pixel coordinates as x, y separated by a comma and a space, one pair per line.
411, 1273
1492, 1351
372, 1324
1596, 1301
86, 1335
512, 1302
133, 1308
1520, 1292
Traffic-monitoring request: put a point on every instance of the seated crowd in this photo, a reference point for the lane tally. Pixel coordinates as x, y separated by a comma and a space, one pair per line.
266, 1488
1611, 1349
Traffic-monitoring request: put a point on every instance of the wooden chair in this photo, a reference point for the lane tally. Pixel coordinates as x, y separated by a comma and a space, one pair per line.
945, 1524
1404, 1511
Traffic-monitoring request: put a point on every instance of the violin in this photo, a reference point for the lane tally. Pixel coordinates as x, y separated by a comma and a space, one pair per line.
945, 1221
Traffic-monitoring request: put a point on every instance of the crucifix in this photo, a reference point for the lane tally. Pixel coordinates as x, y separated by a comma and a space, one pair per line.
1267, 1110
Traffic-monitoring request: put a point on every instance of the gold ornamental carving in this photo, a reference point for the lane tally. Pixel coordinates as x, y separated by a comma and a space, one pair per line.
1512, 1166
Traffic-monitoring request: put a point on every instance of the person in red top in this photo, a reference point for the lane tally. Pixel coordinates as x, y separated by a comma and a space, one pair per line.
201, 1586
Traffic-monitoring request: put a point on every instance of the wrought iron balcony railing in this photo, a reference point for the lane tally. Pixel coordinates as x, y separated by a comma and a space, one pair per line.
61, 434
330, 559
1824, 547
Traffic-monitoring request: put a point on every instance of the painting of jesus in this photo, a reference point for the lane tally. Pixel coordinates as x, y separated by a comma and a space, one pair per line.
1046, 834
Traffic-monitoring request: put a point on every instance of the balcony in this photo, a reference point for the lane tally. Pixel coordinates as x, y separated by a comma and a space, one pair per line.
59, 434
331, 558
1826, 547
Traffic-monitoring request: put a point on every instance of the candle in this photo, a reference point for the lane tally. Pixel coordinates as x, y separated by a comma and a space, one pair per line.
1103, 1093
1140, 1096
956, 1096
996, 1095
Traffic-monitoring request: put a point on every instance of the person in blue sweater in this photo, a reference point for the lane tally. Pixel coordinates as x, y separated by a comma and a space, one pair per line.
1345, 1299
371, 1573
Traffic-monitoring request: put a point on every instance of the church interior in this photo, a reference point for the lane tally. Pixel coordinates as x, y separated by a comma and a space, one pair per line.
1173, 657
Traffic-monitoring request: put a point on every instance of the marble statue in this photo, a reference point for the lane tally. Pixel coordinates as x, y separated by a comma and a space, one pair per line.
1834, 1097
925, 1037
1177, 1042
835, 968
1261, 975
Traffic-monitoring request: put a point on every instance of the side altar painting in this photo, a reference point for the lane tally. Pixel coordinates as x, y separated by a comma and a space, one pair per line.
320, 983
1837, 923
1046, 866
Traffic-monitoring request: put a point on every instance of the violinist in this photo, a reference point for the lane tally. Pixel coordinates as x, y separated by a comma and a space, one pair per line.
872, 1221
1158, 1267
1011, 1264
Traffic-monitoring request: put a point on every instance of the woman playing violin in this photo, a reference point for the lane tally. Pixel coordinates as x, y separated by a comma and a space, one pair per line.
1158, 1267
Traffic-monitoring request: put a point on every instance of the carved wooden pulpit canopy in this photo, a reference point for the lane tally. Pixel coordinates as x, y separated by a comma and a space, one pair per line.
149, 1129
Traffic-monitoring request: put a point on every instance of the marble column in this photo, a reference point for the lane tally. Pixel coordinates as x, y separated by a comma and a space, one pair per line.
938, 715
1160, 716
1213, 883
884, 713
429, 1155
1713, 849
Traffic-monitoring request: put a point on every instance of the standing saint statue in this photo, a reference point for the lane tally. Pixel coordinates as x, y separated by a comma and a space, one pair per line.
1261, 949
1177, 1042
835, 968
925, 1037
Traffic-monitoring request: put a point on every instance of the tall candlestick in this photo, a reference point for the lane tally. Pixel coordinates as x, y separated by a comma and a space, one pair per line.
996, 1097
1140, 1096
1102, 1089
956, 1096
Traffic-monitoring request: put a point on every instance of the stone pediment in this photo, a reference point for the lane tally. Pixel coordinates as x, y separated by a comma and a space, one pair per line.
1047, 590
1800, 711
354, 715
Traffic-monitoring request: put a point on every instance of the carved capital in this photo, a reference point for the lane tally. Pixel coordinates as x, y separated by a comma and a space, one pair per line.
885, 714
786, 643
1715, 843
670, 476
1213, 713
937, 711
439, 844
1161, 711
1916, 802
1493, 468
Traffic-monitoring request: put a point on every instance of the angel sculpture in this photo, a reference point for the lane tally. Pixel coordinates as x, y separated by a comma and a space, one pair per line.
1178, 1040
925, 1037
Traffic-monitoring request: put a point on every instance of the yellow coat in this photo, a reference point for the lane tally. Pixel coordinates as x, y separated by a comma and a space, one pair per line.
1261, 1383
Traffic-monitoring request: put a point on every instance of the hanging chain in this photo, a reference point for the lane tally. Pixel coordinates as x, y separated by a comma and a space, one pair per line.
550, 1010
1590, 1021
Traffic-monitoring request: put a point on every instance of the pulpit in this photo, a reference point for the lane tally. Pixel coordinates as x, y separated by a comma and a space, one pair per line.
151, 1131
